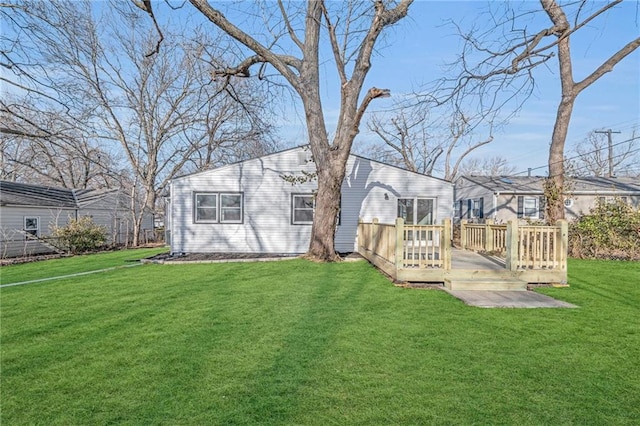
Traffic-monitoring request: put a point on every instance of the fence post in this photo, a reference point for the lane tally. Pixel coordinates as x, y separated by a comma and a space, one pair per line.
463, 234
446, 245
563, 246
488, 236
374, 235
399, 244
512, 246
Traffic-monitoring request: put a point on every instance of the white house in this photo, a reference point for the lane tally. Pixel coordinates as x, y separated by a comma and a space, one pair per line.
252, 206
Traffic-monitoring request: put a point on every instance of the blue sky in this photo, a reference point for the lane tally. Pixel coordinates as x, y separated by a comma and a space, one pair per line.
417, 48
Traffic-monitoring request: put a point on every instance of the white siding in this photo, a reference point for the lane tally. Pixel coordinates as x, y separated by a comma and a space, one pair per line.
267, 225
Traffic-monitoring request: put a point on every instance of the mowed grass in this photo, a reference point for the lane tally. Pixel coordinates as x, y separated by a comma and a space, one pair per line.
294, 342
73, 265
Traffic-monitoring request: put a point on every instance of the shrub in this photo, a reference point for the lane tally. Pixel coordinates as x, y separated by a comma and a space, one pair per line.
81, 235
609, 231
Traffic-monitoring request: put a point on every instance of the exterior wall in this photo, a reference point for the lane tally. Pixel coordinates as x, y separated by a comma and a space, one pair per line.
582, 204
111, 211
14, 243
466, 190
370, 190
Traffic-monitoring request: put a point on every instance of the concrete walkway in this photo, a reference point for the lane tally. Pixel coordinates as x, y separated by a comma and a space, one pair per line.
508, 299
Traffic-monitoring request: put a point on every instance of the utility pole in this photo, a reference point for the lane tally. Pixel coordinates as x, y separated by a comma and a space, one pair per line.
608, 133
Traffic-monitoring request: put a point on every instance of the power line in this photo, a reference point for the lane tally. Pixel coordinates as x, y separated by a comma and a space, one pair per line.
580, 155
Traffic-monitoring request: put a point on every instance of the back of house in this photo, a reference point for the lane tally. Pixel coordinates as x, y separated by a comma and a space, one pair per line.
266, 204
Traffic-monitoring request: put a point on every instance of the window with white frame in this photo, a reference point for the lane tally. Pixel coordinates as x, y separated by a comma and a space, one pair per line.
302, 208
231, 208
32, 226
206, 207
530, 207
214, 207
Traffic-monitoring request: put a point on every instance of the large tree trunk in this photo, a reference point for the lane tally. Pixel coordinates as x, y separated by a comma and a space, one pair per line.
554, 186
321, 246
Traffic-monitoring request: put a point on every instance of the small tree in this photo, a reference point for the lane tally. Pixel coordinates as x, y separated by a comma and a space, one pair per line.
80, 235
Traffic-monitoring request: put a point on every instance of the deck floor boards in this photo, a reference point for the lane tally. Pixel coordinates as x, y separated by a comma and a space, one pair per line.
464, 259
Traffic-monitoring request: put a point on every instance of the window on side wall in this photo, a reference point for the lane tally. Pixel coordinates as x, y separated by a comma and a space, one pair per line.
206, 204
231, 206
32, 226
302, 208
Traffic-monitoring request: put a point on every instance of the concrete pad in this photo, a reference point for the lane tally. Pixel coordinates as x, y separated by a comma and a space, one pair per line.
508, 299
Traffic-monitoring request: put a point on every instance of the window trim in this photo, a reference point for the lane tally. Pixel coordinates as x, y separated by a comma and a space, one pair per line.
195, 207
522, 211
293, 208
37, 228
221, 207
218, 208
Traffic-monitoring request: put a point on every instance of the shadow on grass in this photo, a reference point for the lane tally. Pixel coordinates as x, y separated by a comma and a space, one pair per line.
272, 392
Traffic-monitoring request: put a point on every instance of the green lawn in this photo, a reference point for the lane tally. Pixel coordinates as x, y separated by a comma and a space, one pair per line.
66, 266
295, 342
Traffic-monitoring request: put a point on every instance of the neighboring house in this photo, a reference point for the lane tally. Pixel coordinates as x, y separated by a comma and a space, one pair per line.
31, 212
503, 198
254, 207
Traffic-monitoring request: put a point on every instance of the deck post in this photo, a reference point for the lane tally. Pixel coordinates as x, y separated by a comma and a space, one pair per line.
563, 246
446, 245
512, 246
463, 234
399, 244
488, 236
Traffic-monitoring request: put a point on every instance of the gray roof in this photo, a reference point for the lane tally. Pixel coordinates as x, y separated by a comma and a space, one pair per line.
23, 194
534, 184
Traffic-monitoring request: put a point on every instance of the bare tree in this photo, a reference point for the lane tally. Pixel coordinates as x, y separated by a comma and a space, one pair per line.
351, 31
487, 166
159, 106
419, 143
592, 157
503, 59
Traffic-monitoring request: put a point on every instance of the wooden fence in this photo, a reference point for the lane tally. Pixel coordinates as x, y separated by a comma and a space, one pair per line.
523, 246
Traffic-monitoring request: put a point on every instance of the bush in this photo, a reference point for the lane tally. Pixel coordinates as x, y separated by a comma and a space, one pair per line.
609, 231
81, 235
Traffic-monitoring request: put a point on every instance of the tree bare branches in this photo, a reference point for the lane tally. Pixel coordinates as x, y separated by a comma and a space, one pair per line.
498, 64
291, 44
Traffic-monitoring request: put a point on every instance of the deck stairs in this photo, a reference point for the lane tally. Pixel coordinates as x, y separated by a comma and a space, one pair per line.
486, 284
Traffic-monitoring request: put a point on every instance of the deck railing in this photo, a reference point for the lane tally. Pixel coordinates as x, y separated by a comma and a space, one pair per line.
523, 246
406, 246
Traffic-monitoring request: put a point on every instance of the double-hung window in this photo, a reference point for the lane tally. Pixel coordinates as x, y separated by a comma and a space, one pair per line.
214, 207
302, 208
531, 207
32, 226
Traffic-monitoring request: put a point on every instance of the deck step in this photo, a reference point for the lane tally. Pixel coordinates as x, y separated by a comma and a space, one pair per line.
510, 284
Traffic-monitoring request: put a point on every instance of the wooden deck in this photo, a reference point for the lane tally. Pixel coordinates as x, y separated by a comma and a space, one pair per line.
424, 254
